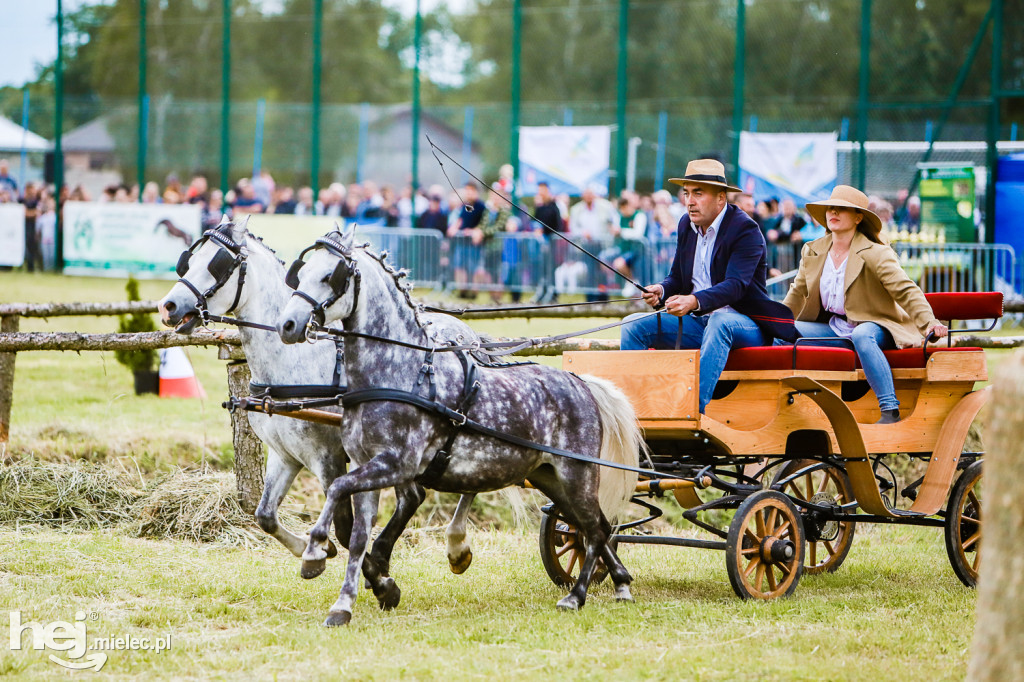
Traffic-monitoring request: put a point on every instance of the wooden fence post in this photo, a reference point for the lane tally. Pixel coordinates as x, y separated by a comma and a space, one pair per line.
248, 448
998, 651
8, 324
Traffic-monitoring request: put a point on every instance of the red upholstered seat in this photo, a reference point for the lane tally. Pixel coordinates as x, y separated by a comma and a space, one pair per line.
914, 358
966, 305
781, 357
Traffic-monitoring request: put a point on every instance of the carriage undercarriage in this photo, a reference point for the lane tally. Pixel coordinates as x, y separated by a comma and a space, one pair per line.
795, 455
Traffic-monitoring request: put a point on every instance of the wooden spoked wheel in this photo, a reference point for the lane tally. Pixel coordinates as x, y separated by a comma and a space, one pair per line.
562, 552
828, 541
963, 525
765, 547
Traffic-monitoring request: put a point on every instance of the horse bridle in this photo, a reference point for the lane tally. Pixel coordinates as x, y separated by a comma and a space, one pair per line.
345, 271
230, 256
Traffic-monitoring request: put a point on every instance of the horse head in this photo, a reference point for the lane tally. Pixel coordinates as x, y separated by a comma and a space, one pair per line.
326, 286
210, 277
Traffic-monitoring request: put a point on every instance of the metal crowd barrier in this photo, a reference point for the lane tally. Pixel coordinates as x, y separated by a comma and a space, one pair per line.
532, 263
418, 251
959, 267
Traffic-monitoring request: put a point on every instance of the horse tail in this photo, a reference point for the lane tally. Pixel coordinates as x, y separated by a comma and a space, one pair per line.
517, 504
621, 442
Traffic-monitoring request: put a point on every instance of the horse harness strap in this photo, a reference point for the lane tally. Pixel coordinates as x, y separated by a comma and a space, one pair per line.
470, 388
290, 391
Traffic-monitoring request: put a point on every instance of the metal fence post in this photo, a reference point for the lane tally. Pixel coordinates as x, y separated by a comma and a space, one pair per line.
517, 37
225, 99
862, 91
140, 159
993, 124
318, 20
621, 94
418, 41
58, 136
738, 83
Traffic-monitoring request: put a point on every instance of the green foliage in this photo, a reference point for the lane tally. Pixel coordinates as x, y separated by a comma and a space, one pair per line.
136, 360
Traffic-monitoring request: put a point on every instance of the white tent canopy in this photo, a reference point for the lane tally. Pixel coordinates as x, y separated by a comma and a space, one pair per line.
14, 138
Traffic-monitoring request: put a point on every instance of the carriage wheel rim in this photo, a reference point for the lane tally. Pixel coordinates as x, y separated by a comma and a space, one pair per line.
768, 523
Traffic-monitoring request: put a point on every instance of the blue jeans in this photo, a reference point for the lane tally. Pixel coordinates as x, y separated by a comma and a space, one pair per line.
869, 340
715, 335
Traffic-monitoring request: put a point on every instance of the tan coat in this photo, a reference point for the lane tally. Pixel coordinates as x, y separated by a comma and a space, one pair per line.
877, 290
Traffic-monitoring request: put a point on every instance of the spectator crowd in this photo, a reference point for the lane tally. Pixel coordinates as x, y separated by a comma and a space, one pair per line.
620, 230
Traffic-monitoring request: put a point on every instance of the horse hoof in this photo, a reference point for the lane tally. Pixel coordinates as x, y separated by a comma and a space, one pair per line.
312, 568
337, 618
332, 550
569, 603
388, 594
622, 593
461, 565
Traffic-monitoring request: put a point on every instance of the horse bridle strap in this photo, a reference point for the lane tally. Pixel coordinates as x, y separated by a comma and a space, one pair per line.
229, 257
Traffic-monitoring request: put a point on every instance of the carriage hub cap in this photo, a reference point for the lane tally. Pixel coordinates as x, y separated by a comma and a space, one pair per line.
819, 528
776, 550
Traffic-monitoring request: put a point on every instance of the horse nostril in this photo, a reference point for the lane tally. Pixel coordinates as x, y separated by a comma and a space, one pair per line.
170, 307
289, 326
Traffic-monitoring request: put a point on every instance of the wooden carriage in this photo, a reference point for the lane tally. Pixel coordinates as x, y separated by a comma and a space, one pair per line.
790, 441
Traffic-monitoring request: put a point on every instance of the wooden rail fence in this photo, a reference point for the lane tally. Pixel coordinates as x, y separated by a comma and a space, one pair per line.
248, 450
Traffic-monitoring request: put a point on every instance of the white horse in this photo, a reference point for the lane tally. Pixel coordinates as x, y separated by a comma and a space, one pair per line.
210, 278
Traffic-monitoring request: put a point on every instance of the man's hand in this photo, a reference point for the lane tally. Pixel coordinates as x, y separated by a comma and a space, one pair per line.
680, 304
653, 294
476, 236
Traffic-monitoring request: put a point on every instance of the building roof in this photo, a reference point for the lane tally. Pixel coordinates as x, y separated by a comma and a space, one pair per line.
90, 137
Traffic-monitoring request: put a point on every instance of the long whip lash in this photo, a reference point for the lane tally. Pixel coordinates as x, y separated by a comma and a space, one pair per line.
434, 149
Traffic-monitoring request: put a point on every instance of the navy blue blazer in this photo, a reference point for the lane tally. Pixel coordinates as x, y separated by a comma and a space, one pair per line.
739, 265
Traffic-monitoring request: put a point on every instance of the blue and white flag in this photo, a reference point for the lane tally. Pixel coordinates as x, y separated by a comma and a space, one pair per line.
797, 166
568, 158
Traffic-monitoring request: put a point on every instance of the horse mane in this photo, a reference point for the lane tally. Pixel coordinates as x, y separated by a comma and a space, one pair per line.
397, 276
250, 236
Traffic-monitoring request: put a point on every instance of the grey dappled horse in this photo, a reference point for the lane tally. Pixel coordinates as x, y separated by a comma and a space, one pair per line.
394, 443
293, 444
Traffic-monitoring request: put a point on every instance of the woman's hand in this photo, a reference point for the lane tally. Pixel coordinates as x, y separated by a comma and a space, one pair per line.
939, 331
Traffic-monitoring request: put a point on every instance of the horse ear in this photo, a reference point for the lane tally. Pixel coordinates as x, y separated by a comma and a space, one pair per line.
347, 238
239, 229
224, 220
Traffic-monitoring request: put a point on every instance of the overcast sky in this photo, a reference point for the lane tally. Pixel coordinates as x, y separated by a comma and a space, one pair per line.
28, 34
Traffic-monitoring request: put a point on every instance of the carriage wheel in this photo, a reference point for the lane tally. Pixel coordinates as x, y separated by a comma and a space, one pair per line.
963, 525
828, 542
562, 552
764, 552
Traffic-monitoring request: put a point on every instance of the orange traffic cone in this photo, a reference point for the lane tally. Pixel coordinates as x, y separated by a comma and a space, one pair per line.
177, 379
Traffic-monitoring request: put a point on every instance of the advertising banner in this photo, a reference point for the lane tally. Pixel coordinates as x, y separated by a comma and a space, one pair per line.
797, 166
947, 201
12, 234
115, 239
568, 158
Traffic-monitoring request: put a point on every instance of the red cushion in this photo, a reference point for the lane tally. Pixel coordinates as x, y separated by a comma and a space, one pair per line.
914, 358
966, 305
781, 357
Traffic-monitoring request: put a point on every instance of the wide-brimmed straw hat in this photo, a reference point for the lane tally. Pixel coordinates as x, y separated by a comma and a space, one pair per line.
705, 172
848, 197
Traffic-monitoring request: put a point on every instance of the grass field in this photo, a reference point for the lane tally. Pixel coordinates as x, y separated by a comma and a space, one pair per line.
893, 611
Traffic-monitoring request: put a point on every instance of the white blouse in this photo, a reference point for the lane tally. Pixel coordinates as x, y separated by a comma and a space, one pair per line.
833, 296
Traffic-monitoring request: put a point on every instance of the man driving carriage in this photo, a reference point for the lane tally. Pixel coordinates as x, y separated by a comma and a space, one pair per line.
715, 297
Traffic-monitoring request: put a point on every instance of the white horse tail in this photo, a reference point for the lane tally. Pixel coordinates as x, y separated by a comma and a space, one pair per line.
621, 442
517, 504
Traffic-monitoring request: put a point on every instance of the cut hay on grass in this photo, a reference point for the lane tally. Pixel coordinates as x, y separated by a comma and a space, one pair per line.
200, 508
183, 505
75, 496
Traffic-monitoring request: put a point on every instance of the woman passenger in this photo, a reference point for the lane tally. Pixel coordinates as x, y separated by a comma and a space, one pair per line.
850, 285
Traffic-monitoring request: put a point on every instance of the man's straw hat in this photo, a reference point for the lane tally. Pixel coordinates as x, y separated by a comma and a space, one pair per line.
705, 172
849, 197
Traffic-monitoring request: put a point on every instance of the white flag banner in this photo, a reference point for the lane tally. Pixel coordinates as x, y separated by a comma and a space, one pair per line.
12, 234
568, 158
797, 166
115, 239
